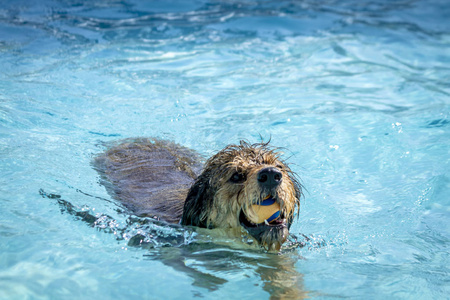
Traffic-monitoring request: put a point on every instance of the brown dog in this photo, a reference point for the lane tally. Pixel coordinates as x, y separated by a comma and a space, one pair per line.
160, 179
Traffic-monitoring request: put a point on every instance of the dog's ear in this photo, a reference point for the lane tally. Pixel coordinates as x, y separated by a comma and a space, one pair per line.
298, 192
198, 203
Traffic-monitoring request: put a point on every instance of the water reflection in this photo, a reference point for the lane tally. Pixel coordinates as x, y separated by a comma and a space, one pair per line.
211, 266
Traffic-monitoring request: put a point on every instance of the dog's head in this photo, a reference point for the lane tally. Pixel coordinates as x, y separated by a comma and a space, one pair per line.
235, 180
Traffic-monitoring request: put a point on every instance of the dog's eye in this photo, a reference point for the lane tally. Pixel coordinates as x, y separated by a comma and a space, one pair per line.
237, 178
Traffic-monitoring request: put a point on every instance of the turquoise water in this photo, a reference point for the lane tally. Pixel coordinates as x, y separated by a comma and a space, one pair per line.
356, 92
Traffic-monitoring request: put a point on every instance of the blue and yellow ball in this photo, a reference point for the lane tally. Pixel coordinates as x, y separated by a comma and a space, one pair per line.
266, 211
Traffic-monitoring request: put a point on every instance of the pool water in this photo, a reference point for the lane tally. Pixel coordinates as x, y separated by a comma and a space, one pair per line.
355, 92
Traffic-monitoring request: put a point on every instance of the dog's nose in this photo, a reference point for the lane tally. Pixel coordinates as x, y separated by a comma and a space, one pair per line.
269, 177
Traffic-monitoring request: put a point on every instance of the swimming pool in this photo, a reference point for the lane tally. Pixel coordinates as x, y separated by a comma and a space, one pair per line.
356, 93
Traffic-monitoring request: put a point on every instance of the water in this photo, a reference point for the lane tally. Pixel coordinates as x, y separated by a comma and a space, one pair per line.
356, 92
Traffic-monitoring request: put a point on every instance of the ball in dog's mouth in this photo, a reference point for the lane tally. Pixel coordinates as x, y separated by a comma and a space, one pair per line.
266, 211
266, 223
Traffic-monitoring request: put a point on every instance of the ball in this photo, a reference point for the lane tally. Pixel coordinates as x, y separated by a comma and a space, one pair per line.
266, 211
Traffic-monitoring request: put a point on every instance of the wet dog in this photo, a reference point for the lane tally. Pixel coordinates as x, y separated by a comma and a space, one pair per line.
163, 180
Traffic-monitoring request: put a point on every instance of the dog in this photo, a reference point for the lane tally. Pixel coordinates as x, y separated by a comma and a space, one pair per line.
163, 180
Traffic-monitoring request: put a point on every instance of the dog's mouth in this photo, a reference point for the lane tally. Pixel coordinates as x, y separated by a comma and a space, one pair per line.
245, 222
269, 235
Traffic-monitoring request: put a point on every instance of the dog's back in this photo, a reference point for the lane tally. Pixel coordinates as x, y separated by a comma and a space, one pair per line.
150, 177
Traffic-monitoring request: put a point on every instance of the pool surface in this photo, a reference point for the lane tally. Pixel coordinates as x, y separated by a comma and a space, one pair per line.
356, 93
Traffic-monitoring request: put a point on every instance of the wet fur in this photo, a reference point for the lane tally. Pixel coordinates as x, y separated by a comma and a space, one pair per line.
150, 177
160, 179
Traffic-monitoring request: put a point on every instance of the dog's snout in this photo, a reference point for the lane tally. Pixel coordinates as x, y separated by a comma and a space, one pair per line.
269, 177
